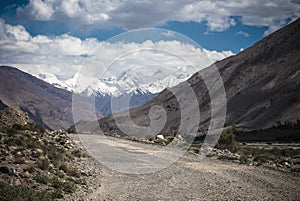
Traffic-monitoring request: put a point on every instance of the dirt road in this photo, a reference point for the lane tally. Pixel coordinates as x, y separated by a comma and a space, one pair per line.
189, 178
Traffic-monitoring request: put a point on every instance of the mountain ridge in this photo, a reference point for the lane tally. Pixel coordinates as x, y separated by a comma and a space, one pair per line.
262, 85
45, 104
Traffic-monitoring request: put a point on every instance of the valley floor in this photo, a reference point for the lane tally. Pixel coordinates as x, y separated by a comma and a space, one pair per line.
189, 178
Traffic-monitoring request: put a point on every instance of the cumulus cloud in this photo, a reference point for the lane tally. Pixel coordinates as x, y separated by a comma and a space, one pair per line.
39, 10
149, 13
242, 33
64, 55
169, 33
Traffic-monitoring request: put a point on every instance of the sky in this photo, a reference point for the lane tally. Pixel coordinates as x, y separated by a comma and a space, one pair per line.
56, 36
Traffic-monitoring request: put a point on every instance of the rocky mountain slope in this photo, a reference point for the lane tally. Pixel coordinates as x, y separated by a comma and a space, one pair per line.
37, 164
2, 105
45, 104
262, 85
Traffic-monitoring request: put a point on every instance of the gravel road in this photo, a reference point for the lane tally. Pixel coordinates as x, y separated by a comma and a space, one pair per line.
189, 178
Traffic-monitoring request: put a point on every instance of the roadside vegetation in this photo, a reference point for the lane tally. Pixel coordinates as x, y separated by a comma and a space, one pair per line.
227, 141
36, 164
228, 148
283, 158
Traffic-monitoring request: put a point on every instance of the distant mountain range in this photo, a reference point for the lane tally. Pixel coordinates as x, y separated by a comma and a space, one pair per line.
262, 85
45, 104
140, 87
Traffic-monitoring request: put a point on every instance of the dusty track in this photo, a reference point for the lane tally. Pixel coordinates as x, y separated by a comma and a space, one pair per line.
191, 178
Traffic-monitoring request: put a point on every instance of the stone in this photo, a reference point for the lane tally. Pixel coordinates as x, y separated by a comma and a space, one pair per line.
39, 151
160, 137
27, 174
17, 182
4, 170
12, 148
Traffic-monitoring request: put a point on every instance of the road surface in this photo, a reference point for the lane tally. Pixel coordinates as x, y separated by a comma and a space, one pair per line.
189, 178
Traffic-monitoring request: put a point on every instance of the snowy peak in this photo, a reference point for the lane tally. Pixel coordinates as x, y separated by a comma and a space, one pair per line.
131, 82
52, 79
119, 83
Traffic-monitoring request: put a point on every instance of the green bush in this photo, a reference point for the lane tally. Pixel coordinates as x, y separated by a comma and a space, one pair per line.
67, 186
260, 159
244, 160
42, 179
20, 127
194, 148
17, 193
11, 131
263, 155
69, 170
227, 141
43, 164
57, 194
30, 169
33, 144
226, 158
19, 160
37, 128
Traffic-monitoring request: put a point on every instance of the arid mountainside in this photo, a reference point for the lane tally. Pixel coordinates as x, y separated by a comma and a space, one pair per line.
45, 104
10, 117
262, 85
37, 164
2, 105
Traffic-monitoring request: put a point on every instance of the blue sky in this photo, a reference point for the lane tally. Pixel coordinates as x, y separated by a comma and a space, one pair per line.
54, 36
231, 39
241, 34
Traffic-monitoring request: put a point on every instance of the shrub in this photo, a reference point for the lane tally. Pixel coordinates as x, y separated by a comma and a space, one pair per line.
244, 160
260, 159
68, 187
43, 164
42, 179
16, 193
160, 141
194, 148
11, 131
55, 153
18, 142
20, 127
57, 194
295, 169
262, 155
223, 157
63, 167
30, 169
32, 145
79, 181
19, 160
37, 128
227, 141
69, 170
77, 153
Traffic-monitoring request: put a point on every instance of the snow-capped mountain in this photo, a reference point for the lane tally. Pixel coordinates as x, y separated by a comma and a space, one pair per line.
52, 79
132, 83
140, 86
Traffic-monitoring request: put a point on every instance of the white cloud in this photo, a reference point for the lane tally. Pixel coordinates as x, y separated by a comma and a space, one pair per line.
64, 55
220, 24
149, 13
242, 33
39, 10
169, 34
